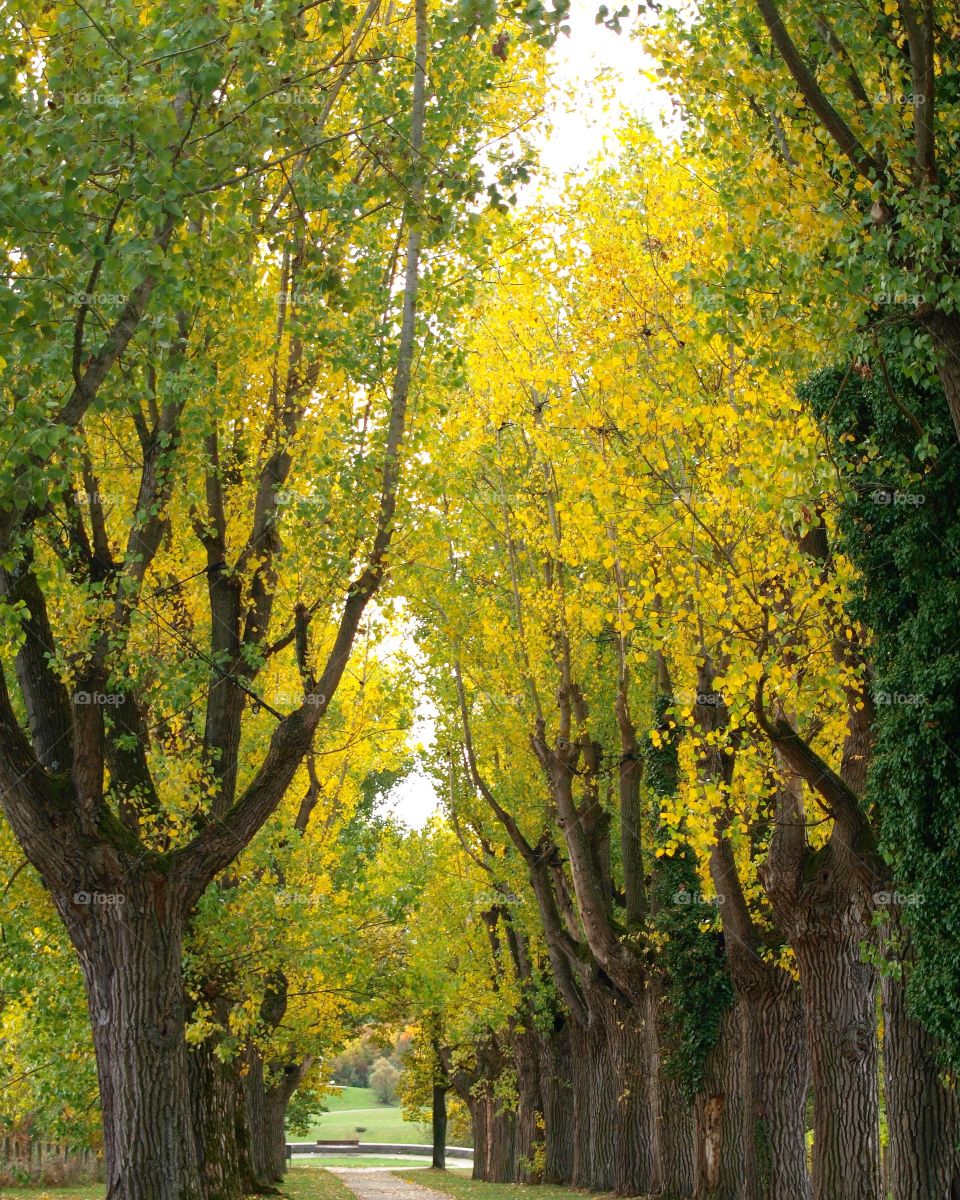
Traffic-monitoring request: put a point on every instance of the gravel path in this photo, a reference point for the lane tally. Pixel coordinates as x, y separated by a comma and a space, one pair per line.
373, 1183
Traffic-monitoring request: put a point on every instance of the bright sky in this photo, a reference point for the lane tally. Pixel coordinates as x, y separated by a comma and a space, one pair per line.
598, 77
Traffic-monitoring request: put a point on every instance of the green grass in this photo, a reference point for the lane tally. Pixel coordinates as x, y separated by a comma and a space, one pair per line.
76, 1192
358, 1106
461, 1187
301, 1183
371, 1160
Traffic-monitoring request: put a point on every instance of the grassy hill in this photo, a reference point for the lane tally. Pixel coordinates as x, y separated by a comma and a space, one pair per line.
358, 1107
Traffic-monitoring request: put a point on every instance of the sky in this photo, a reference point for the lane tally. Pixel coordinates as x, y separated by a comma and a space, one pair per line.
595, 76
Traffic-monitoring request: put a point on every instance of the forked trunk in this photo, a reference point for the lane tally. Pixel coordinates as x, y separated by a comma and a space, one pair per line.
129, 946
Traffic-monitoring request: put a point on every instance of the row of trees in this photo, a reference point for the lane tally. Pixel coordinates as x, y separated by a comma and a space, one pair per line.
668, 738
232, 237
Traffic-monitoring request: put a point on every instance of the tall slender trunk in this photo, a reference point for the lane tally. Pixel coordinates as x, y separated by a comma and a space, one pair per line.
130, 953
438, 1126
556, 1082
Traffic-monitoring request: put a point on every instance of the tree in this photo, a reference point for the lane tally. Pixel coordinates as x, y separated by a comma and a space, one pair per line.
384, 1078
220, 292
835, 140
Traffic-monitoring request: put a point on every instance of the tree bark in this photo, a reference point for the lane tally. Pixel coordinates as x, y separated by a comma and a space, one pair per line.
776, 1082
130, 954
720, 1167
439, 1127
558, 1105
529, 1135
634, 1158
944, 328
826, 921
923, 1113
220, 1123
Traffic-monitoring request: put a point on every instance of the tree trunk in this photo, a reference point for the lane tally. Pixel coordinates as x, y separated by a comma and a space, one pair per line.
720, 1167
776, 1082
220, 1123
603, 1110
923, 1114
626, 1033
129, 945
826, 928
529, 1137
556, 1086
502, 1144
439, 1126
673, 1114
581, 1080
944, 328
266, 1096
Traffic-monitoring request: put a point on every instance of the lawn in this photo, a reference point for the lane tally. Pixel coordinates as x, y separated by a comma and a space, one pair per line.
360, 1107
301, 1183
461, 1187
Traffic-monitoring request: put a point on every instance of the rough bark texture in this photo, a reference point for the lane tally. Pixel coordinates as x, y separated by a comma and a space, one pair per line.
130, 953
556, 1085
923, 1115
634, 1157
776, 1083
438, 1126
826, 922
720, 1167
673, 1114
220, 1124
529, 1137
944, 328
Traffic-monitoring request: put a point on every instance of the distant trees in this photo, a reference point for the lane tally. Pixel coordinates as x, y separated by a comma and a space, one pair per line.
384, 1080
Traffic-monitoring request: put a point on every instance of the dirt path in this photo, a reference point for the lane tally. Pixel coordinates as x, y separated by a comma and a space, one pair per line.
373, 1183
